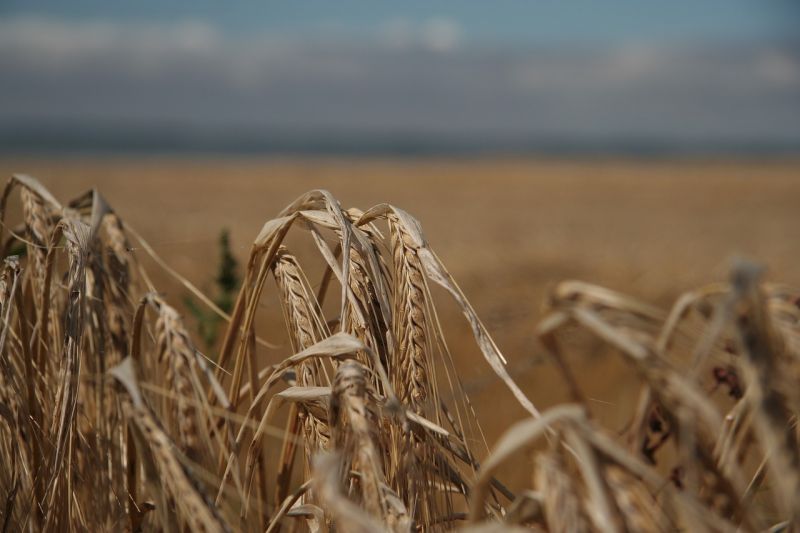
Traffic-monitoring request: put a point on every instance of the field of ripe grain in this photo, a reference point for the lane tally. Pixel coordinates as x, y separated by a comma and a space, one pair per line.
508, 229
508, 232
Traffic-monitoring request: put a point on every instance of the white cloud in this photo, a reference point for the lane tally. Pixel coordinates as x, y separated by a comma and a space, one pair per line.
408, 77
441, 35
51, 36
436, 34
780, 68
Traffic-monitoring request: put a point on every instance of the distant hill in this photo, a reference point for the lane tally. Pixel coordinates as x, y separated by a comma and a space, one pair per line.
105, 138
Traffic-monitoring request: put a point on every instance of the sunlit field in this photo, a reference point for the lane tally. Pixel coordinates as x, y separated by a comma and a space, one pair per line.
510, 232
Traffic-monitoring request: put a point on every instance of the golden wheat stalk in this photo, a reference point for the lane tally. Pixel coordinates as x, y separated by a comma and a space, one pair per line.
377, 413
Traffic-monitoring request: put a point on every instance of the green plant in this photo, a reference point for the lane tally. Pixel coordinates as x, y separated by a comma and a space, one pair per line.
226, 284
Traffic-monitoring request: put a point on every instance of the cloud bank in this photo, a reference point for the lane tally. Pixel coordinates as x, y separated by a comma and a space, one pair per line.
405, 79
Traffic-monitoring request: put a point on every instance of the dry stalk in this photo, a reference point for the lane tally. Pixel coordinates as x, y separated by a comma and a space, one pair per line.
376, 410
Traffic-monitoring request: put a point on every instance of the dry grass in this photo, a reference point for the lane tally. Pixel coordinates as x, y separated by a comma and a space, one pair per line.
113, 419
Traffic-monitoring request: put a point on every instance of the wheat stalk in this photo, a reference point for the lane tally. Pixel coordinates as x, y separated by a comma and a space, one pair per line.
377, 415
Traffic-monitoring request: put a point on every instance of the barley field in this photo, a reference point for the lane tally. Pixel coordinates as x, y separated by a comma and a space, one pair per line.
477, 344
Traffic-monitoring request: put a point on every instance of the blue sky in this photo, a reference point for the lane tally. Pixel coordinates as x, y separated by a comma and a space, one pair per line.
681, 71
514, 22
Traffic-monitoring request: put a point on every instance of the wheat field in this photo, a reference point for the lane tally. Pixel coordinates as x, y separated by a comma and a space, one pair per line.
341, 393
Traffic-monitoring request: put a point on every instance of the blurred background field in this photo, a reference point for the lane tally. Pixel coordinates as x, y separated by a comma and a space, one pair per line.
509, 229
